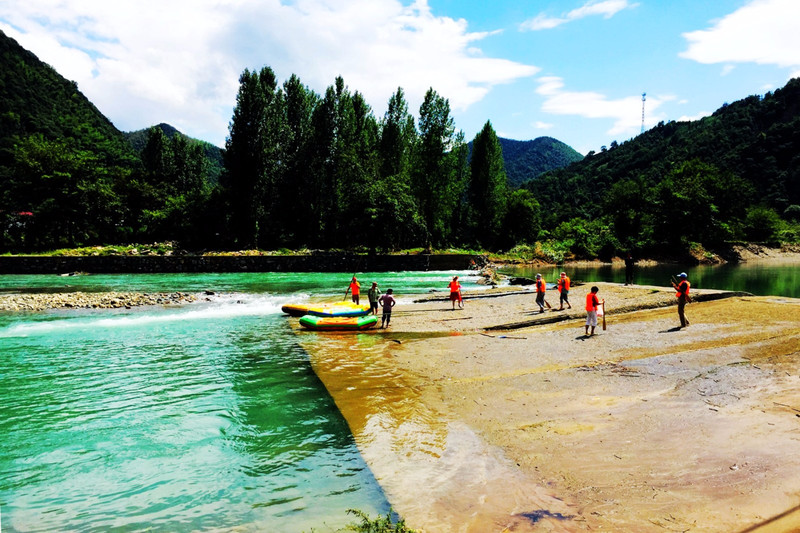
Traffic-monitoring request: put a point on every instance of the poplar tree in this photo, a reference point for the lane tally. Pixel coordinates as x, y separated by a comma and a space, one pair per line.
435, 181
488, 188
253, 156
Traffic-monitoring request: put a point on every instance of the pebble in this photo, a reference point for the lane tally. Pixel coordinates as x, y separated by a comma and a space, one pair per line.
84, 300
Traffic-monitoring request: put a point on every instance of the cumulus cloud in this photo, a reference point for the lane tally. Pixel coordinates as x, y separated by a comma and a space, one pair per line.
179, 61
763, 32
606, 8
625, 113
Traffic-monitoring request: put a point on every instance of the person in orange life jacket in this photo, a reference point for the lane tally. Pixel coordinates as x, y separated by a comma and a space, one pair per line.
682, 294
592, 303
541, 287
354, 289
563, 288
455, 293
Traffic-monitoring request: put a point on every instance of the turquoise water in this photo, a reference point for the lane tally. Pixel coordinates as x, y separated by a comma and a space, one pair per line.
760, 279
204, 417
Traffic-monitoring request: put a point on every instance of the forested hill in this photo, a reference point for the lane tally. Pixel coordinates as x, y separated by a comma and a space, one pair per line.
138, 140
732, 175
35, 99
525, 160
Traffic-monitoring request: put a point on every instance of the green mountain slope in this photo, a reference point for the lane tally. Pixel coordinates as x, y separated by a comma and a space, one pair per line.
138, 140
35, 99
526, 160
702, 181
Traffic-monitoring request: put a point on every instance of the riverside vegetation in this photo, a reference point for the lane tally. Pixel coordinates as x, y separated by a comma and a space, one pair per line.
304, 170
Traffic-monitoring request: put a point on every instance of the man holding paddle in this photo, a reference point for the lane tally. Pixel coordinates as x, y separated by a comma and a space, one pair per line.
682, 287
354, 289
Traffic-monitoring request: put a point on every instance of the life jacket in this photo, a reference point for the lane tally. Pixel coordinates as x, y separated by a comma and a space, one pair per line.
592, 301
679, 293
454, 286
541, 286
354, 287
563, 284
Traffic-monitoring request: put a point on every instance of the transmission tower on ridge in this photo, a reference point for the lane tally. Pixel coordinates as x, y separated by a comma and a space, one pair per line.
643, 97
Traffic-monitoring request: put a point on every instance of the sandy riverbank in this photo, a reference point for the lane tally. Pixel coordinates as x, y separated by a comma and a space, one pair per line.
643, 427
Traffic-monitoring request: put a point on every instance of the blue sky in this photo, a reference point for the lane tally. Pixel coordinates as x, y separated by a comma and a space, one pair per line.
573, 70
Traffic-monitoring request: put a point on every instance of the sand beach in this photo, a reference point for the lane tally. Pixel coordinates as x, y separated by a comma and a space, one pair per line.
498, 418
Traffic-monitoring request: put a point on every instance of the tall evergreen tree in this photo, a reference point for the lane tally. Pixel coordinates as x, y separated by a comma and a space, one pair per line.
297, 192
253, 157
435, 182
487, 191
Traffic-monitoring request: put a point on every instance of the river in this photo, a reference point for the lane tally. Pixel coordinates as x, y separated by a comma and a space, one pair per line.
207, 416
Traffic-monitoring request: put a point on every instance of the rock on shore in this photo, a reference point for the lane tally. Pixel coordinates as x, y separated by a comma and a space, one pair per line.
87, 300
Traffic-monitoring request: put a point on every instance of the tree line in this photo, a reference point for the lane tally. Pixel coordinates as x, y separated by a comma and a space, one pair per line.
304, 170
301, 170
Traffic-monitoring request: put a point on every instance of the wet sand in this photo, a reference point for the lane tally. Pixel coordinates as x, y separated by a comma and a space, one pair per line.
642, 427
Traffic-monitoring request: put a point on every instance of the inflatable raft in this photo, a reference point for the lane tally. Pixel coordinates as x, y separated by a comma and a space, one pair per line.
340, 323
346, 310
327, 309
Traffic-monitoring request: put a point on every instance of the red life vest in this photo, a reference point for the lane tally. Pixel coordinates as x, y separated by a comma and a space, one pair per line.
679, 293
563, 284
592, 301
541, 286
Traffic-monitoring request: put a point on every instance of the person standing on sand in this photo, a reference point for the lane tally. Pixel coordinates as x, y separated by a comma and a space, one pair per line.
682, 294
455, 293
629, 262
563, 288
373, 294
592, 303
541, 287
354, 289
387, 301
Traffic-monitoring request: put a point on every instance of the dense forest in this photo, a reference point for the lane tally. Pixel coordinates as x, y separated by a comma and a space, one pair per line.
731, 176
304, 170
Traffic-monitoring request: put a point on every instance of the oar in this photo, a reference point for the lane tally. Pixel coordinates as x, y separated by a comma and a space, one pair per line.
603, 303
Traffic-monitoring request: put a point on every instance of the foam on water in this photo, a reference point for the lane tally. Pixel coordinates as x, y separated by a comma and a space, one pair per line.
226, 306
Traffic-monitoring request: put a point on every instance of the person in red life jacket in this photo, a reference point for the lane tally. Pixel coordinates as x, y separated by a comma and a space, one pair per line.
592, 303
541, 287
563, 288
354, 289
455, 293
682, 294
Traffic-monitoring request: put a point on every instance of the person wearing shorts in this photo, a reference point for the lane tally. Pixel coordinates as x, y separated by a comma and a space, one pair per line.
455, 293
592, 303
387, 301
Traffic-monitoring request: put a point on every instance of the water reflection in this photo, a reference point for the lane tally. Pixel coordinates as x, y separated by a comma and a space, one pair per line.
761, 279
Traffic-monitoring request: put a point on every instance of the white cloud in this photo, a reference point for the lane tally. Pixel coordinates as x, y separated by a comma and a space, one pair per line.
179, 61
763, 32
692, 118
606, 8
625, 113
539, 125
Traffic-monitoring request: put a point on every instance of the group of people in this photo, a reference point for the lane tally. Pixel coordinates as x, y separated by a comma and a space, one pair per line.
562, 285
376, 298
593, 303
